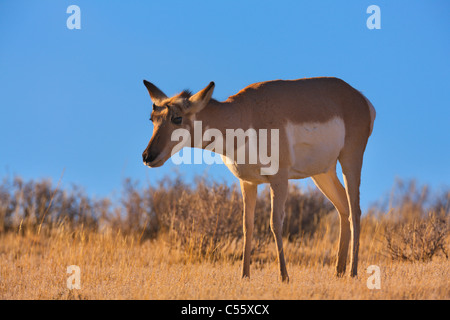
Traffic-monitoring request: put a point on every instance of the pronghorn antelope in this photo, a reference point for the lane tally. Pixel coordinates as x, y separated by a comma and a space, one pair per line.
320, 121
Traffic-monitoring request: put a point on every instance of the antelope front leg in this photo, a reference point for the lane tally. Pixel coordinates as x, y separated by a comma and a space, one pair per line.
279, 191
249, 193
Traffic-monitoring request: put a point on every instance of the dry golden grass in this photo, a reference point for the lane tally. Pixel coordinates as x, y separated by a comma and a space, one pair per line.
167, 244
119, 267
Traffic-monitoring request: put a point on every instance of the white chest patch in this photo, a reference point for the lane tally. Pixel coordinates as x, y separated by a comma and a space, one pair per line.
314, 146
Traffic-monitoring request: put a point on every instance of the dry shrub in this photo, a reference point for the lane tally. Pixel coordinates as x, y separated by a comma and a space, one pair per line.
204, 219
418, 224
418, 240
35, 205
305, 209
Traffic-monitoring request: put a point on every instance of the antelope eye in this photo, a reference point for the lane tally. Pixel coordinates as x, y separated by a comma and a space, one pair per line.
177, 120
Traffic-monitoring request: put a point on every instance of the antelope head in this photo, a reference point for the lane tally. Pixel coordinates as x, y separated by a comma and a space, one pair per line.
168, 115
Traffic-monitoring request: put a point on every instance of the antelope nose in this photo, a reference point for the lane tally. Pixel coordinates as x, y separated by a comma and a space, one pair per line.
148, 157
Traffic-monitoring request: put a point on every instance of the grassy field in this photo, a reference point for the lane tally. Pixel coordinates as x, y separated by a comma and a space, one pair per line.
115, 268
165, 253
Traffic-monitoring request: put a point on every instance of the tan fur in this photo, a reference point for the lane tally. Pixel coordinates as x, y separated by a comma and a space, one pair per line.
301, 103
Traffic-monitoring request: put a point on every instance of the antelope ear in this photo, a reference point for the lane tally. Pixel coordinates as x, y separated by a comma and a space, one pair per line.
156, 94
199, 100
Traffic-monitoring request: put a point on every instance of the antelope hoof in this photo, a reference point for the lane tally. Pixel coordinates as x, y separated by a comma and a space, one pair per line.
354, 274
340, 272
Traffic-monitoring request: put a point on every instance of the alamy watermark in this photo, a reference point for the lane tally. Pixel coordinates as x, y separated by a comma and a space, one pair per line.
238, 146
74, 280
74, 20
374, 20
374, 280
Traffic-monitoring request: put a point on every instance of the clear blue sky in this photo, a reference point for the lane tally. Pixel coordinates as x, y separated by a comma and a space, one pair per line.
74, 99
